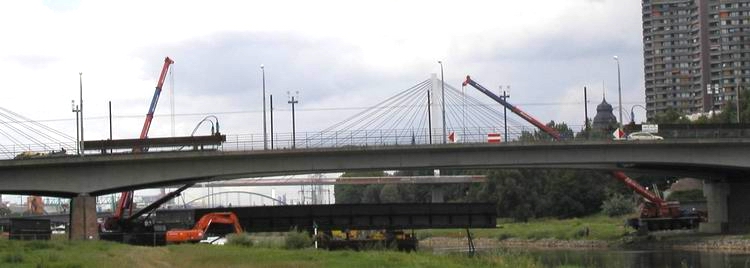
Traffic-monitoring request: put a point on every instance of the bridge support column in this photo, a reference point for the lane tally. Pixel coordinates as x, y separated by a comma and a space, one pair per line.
83, 225
437, 194
716, 194
738, 206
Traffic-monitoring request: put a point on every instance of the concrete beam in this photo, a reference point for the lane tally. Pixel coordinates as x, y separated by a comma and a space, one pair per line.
99, 174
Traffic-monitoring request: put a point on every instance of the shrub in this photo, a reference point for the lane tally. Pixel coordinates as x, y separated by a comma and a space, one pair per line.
241, 239
15, 257
618, 205
297, 240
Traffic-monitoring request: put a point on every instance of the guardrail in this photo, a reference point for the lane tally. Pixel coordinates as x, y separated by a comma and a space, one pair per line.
381, 137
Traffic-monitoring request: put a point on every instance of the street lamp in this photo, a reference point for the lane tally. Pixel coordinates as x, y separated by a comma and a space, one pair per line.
442, 84
292, 102
80, 109
265, 135
619, 88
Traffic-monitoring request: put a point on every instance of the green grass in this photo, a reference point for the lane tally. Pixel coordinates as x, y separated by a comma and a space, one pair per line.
108, 254
601, 227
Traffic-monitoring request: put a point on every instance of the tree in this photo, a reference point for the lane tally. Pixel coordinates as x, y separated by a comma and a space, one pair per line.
389, 194
670, 116
352, 194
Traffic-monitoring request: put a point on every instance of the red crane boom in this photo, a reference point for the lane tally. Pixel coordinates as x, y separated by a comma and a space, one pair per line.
658, 207
551, 131
126, 198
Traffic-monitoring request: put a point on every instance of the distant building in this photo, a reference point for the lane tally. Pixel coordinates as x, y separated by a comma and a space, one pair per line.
696, 54
605, 121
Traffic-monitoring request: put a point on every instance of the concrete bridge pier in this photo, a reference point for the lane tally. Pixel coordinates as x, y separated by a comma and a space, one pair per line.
716, 194
728, 206
738, 206
83, 225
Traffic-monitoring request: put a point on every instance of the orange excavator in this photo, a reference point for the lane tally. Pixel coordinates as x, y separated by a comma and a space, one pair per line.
655, 214
201, 228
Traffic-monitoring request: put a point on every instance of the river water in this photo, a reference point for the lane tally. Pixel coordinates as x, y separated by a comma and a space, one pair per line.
636, 258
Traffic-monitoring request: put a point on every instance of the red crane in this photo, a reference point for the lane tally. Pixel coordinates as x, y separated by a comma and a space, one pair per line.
657, 213
551, 131
125, 203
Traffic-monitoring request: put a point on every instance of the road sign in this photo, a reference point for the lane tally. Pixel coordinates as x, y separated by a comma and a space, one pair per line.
618, 134
452, 137
650, 128
493, 137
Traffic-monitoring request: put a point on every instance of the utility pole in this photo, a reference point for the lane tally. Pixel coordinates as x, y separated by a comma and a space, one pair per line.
505, 96
76, 110
80, 109
265, 134
271, 102
110, 124
586, 111
293, 102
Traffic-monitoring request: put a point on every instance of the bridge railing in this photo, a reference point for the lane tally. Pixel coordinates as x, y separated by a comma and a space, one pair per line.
379, 137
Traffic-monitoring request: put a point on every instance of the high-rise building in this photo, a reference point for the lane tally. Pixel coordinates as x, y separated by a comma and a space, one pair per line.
696, 54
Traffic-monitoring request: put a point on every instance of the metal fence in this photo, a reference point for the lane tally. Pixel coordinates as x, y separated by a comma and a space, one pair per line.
385, 137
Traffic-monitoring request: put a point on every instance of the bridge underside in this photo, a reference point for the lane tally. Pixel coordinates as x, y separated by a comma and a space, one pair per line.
715, 159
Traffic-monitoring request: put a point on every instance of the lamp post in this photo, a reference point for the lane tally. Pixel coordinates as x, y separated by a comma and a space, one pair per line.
265, 135
442, 85
76, 110
270, 101
292, 102
80, 109
619, 88
586, 112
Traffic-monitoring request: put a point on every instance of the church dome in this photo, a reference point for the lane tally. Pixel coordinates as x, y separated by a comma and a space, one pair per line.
604, 119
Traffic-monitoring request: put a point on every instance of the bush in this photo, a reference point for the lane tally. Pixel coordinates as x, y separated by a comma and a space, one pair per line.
14, 257
618, 205
241, 239
297, 240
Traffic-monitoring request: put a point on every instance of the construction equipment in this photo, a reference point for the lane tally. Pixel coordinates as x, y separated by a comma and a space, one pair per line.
367, 239
655, 214
125, 203
204, 226
34, 205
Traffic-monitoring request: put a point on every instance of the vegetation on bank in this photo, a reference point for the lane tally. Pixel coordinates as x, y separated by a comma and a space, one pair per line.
597, 227
108, 254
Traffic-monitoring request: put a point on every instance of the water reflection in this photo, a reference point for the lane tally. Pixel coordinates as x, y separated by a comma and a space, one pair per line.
639, 258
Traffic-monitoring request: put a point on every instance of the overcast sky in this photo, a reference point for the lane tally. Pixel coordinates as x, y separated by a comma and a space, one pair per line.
337, 54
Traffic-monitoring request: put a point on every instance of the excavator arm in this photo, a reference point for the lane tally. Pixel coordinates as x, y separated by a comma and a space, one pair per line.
198, 232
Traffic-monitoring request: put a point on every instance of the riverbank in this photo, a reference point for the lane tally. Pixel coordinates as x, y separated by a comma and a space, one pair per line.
676, 240
591, 232
107, 254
